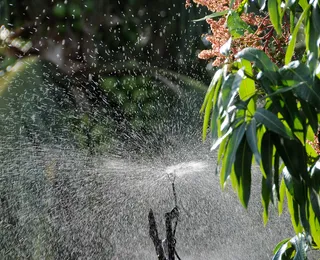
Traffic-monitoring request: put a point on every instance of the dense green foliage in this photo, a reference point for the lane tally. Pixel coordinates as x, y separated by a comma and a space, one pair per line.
266, 112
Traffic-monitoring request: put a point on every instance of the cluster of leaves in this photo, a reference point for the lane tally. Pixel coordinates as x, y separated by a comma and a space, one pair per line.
266, 112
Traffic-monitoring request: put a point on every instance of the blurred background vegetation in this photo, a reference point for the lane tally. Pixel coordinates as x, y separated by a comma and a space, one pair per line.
92, 71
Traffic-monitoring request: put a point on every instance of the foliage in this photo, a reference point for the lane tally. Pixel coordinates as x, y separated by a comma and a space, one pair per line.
263, 106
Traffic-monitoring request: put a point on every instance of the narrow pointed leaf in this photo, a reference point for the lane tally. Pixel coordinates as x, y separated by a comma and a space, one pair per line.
230, 154
311, 115
266, 159
213, 15
282, 194
292, 43
275, 14
207, 114
242, 169
276, 176
229, 89
272, 122
251, 134
293, 155
293, 208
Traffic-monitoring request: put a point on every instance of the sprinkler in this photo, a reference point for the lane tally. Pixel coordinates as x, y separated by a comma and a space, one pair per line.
165, 248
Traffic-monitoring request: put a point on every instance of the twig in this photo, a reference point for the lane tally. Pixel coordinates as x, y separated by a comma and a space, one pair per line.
167, 246
153, 232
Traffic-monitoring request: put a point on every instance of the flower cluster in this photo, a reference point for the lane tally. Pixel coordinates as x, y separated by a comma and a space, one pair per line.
315, 143
214, 5
262, 36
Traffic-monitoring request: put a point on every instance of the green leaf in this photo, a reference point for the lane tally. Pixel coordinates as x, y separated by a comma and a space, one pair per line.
311, 39
258, 57
314, 219
292, 43
311, 114
217, 76
213, 15
293, 208
316, 15
295, 187
299, 77
281, 90
269, 71
282, 194
293, 154
251, 134
301, 246
281, 252
236, 25
279, 245
247, 87
272, 122
222, 149
304, 4
296, 74
242, 169
207, 114
266, 154
210, 102
314, 190
299, 129
220, 140
290, 4
215, 125
230, 153
293, 249
276, 165
266, 194
229, 89
266, 159
274, 8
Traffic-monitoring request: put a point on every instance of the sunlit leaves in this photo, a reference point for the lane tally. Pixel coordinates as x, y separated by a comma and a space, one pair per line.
261, 61
282, 193
213, 15
210, 101
271, 114
292, 249
293, 208
279, 249
236, 25
292, 43
275, 14
230, 153
247, 86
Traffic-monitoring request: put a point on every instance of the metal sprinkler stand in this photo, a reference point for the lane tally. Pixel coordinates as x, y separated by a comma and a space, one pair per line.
165, 249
